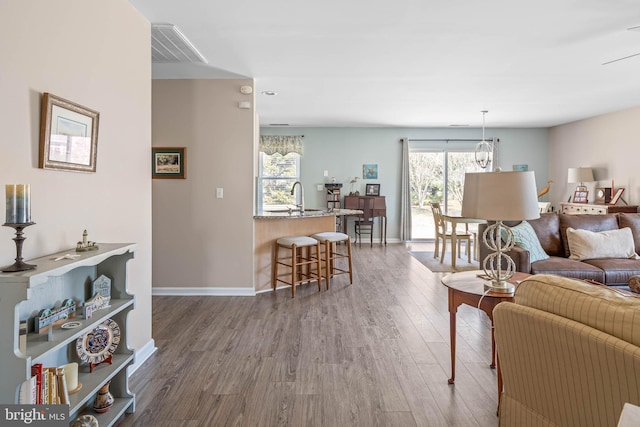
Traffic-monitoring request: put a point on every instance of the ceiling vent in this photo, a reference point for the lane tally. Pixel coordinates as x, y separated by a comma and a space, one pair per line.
168, 44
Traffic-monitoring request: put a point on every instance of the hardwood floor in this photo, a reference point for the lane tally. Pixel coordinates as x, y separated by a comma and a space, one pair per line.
374, 353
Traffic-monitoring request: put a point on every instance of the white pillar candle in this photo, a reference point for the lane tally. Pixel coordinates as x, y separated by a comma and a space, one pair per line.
71, 376
18, 207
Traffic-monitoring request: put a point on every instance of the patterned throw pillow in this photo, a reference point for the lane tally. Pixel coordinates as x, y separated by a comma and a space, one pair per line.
525, 237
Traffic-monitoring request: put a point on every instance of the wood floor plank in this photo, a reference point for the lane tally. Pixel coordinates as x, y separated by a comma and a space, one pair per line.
372, 353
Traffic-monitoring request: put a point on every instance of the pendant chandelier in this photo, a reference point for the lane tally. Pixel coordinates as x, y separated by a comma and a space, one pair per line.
483, 149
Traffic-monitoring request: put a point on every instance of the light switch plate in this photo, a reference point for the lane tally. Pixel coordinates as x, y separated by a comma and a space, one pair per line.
219, 193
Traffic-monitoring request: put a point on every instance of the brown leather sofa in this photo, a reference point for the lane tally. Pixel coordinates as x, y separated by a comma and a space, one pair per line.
551, 230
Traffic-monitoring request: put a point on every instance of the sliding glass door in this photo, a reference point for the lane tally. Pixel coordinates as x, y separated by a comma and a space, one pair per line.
437, 175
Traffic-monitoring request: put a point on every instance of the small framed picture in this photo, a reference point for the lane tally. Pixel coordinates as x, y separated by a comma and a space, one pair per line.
372, 190
581, 196
168, 162
616, 196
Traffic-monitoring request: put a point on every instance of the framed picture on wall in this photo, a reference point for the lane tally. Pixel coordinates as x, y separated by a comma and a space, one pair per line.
372, 189
68, 135
168, 162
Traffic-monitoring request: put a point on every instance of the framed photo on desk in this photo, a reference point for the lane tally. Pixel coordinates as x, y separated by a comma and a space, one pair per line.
581, 196
372, 190
616, 196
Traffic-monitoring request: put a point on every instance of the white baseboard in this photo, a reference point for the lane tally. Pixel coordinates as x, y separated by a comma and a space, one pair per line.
216, 292
142, 355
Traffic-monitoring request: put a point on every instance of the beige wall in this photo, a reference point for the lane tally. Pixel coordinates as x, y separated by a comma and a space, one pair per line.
609, 143
94, 53
203, 244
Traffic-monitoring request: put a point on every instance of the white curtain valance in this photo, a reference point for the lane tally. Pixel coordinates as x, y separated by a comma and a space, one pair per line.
283, 144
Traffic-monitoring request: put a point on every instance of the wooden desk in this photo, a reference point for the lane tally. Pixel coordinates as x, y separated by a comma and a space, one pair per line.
467, 288
379, 211
456, 218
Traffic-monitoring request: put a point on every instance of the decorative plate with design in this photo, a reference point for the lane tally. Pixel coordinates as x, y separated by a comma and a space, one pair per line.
97, 345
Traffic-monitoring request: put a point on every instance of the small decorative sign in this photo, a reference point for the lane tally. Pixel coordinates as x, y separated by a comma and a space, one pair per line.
50, 317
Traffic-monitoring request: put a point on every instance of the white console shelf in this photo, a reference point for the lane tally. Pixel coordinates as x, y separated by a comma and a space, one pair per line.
23, 294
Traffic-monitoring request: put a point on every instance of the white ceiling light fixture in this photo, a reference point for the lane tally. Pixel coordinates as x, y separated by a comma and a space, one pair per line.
483, 149
169, 45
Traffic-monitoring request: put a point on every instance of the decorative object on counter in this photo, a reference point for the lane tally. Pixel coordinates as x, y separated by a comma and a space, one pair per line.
85, 245
98, 345
104, 399
603, 195
18, 209
370, 171
95, 303
353, 184
169, 162
617, 196
68, 135
372, 190
66, 256
102, 286
70, 325
71, 377
50, 317
500, 196
87, 420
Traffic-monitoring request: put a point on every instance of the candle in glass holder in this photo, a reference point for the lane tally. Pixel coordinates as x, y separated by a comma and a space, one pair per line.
18, 203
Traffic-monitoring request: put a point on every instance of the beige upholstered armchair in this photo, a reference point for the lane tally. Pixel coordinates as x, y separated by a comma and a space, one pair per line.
569, 353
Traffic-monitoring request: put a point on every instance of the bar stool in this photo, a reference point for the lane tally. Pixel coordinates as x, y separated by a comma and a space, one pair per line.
330, 255
301, 264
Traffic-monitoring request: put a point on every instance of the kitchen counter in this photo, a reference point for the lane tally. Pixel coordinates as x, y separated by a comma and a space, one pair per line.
280, 214
269, 226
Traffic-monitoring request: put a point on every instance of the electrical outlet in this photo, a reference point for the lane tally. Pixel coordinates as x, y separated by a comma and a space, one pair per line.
219, 193
319, 187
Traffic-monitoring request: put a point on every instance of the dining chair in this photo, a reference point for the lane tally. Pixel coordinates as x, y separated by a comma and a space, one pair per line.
364, 223
443, 233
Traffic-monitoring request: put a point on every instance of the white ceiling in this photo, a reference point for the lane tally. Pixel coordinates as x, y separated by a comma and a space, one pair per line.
415, 63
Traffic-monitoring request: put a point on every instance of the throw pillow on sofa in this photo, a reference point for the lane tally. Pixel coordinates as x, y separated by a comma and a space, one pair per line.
526, 238
585, 244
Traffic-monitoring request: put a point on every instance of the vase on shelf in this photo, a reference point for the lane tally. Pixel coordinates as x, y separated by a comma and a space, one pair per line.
104, 399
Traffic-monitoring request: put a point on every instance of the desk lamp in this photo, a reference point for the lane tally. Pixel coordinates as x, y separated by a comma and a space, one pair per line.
500, 196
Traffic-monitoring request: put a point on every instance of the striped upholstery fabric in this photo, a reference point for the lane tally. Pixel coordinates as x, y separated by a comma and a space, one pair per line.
569, 353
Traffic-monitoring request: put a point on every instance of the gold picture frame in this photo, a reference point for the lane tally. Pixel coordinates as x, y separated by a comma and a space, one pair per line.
68, 135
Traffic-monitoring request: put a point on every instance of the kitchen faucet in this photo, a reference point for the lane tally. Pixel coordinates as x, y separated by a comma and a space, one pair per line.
293, 188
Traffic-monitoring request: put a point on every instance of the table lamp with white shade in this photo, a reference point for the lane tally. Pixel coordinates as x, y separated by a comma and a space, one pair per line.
500, 196
580, 176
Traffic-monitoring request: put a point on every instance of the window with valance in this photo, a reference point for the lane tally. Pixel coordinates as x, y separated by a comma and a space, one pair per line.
283, 144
